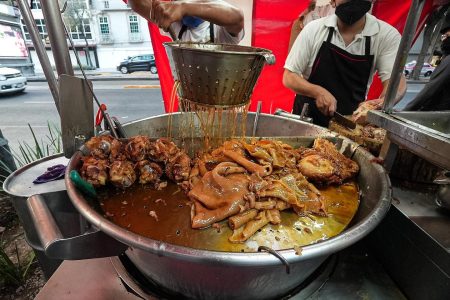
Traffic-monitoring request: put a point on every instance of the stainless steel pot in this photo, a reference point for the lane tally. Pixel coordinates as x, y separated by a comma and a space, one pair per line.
223, 275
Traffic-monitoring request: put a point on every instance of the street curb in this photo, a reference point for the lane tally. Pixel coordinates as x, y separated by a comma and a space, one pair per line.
416, 81
103, 78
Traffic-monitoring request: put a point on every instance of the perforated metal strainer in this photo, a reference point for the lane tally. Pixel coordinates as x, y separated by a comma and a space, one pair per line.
216, 74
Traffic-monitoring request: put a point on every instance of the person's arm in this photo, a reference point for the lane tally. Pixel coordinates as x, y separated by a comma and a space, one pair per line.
360, 114
295, 66
325, 101
401, 91
164, 13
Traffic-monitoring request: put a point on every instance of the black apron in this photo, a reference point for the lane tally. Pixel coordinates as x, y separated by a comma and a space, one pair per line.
343, 74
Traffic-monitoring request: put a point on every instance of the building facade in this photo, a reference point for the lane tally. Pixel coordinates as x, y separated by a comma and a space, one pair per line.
77, 18
13, 51
104, 33
119, 32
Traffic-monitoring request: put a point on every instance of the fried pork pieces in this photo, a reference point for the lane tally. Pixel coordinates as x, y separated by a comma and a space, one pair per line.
248, 183
122, 162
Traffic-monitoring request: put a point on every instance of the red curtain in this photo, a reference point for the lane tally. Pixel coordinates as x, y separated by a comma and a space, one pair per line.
271, 25
162, 64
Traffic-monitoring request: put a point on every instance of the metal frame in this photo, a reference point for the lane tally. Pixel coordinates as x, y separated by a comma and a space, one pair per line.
408, 130
57, 36
405, 44
40, 50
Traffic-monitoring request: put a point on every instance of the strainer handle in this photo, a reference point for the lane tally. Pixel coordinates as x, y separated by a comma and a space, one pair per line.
270, 58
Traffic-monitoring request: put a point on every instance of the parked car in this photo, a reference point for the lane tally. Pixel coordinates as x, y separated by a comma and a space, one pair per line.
426, 71
144, 62
11, 80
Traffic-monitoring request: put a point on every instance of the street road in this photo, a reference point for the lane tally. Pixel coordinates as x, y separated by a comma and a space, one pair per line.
127, 100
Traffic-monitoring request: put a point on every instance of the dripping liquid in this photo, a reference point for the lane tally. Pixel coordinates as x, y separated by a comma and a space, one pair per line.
215, 123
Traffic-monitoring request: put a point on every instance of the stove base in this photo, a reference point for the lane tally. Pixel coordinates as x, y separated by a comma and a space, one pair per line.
350, 273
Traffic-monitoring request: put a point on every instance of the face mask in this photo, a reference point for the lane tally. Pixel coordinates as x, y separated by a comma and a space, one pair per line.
191, 22
445, 46
353, 10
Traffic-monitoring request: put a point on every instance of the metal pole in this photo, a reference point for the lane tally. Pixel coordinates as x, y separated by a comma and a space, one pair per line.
40, 50
55, 28
402, 54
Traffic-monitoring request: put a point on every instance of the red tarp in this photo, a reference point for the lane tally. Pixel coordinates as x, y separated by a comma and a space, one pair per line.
271, 25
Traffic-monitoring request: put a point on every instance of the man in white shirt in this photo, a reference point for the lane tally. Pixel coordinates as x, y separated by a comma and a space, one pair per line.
195, 20
333, 60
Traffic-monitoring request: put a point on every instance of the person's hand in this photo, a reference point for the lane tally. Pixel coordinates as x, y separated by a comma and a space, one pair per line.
164, 13
325, 102
360, 114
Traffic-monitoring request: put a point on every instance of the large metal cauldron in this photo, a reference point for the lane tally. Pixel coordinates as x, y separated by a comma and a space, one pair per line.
223, 275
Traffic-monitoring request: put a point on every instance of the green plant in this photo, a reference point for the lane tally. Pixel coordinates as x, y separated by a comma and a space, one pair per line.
49, 145
14, 273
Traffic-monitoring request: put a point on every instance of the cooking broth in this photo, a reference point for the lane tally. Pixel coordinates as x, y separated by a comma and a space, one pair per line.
165, 215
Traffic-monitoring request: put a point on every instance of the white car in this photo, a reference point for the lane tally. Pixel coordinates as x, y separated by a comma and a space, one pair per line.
11, 80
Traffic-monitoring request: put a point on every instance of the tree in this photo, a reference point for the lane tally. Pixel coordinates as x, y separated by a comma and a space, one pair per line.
431, 31
76, 12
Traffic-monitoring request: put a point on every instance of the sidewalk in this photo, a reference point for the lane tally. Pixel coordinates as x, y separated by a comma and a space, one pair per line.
102, 74
420, 81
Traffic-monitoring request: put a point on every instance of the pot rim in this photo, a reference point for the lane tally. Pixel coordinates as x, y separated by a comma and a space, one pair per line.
346, 238
183, 46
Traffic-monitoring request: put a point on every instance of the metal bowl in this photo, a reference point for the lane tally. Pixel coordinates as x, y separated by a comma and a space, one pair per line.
204, 274
216, 74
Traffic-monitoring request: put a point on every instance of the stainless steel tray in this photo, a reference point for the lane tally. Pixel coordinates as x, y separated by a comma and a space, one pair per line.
427, 134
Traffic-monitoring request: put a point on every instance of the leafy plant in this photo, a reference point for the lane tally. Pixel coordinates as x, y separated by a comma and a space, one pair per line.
14, 273
49, 145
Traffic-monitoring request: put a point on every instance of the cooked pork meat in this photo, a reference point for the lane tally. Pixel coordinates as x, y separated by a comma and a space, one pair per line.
326, 165
117, 151
149, 172
218, 195
100, 146
373, 132
247, 182
178, 167
122, 174
162, 149
94, 171
137, 148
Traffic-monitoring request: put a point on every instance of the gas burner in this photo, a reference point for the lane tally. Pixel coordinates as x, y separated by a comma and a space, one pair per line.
147, 289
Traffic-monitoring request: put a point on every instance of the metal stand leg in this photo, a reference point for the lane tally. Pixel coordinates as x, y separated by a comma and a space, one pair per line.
388, 153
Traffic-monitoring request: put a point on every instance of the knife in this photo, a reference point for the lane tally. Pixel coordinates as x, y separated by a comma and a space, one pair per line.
344, 121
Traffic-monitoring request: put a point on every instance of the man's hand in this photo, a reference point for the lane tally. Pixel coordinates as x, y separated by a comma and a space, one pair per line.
325, 101
164, 13
360, 114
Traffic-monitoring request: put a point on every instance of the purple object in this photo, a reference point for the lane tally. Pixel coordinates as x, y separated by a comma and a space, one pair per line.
53, 173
